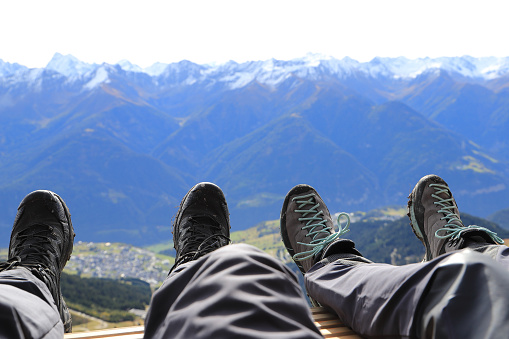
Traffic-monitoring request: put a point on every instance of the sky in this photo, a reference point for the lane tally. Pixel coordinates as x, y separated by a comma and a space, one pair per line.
216, 31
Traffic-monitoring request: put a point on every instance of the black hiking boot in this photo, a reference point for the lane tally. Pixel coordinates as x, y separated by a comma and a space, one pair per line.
202, 224
307, 229
435, 219
42, 241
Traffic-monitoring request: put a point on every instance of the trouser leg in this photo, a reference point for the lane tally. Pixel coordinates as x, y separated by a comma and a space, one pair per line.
236, 291
458, 295
27, 309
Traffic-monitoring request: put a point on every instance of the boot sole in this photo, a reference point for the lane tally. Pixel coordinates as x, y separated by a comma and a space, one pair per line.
284, 234
411, 207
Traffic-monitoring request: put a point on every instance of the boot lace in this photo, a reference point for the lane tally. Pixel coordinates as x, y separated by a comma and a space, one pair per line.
322, 235
11, 263
204, 237
33, 248
454, 227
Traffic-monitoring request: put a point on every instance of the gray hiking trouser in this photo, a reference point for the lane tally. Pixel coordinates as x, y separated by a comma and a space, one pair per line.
27, 309
462, 294
236, 291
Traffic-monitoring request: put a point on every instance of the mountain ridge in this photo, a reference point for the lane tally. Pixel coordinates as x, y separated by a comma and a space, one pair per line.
123, 147
274, 71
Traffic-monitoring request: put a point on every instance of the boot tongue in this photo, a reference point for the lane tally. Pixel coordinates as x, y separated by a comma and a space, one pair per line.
37, 244
474, 238
204, 220
470, 238
340, 246
202, 229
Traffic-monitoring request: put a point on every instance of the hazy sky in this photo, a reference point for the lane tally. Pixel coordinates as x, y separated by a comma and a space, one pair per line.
147, 31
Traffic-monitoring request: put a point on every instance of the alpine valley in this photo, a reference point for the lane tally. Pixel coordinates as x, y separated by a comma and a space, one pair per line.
122, 144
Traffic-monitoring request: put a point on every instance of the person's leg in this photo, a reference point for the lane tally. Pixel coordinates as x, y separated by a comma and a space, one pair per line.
27, 308
236, 291
31, 304
461, 294
219, 291
384, 300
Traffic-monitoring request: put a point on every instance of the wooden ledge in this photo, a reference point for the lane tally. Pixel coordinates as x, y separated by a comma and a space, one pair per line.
133, 332
328, 324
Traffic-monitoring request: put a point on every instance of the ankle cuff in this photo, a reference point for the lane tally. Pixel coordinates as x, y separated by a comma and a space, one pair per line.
345, 259
340, 246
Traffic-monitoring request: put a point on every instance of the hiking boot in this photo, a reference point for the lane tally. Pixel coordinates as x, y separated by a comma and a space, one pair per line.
307, 228
41, 241
202, 224
435, 219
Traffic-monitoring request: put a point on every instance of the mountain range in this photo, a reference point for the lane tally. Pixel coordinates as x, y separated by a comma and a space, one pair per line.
122, 144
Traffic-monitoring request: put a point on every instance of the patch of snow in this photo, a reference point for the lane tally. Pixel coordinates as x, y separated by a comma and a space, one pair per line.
101, 76
238, 80
35, 74
34, 78
492, 67
189, 81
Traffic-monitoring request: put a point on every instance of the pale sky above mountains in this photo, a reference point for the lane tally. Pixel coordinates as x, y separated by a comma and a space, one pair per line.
205, 31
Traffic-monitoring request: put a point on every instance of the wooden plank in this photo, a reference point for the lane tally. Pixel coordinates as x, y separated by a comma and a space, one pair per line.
328, 324
121, 332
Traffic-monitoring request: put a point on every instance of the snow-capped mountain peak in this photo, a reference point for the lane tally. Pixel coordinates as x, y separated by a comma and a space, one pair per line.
8, 69
127, 66
69, 66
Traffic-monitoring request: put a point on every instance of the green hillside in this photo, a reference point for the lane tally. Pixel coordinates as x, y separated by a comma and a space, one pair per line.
501, 217
106, 299
264, 236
